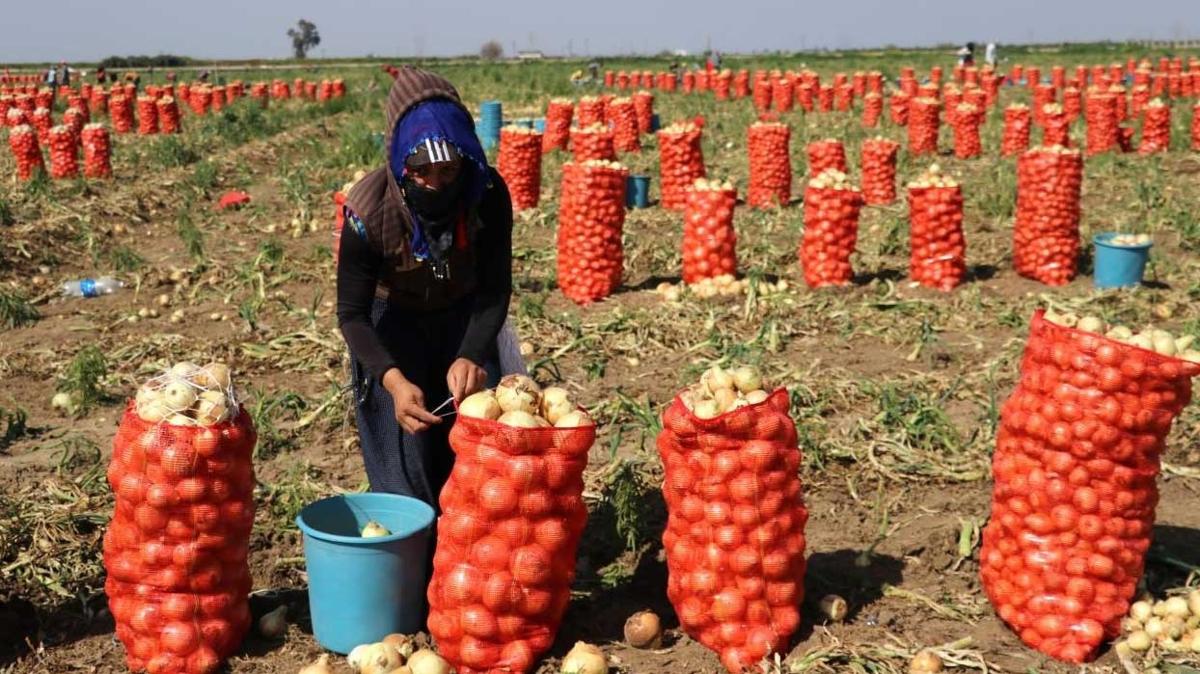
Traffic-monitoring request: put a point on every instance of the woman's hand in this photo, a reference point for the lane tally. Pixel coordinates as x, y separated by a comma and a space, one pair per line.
409, 401
465, 378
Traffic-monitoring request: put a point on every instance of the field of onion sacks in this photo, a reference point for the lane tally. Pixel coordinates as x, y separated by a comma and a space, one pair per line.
896, 344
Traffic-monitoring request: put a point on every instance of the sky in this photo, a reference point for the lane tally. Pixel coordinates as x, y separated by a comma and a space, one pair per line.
88, 30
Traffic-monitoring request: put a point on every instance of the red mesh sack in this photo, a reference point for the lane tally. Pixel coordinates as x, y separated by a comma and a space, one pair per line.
1138, 99
43, 98
512, 516
781, 94
770, 164
872, 110
805, 92
624, 119
879, 170
1077, 454
722, 82
591, 215
762, 92
176, 548
923, 123
680, 162
147, 114
1100, 114
1058, 76
935, 76
643, 105
1055, 126
520, 164
827, 153
1072, 103
858, 83
825, 98
27, 154
1046, 227
622, 80
741, 84
1196, 128
1014, 138
898, 108
843, 98
1043, 95
647, 79
1156, 128
951, 97
668, 82
42, 122
591, 111
990, 84
97, 151
98, 101
258, 92
74, 119
64, 152
168, 115
967, 119
120, 112
592, 142
937, 249
831, 208
610, 79
689, 82
734, 539
709, 240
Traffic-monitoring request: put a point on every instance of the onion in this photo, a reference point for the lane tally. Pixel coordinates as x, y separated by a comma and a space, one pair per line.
556, 402
1120, 333
374, 529
574, 419
715, 379
178, 395
321, 666
273, 625
517, 392
426, 661
1091, 324
211, 408
522, 419
65, 402
1141, 611
1164, 343
833, 607
481, 405
724, 398
756, 397
214, 375
1143, 340
179, 419
644, 630
1139, 641
183, 370
1193, 600
1155, 627
925, 662
747, 379
355, 658
1178, 607
402, 643
154, 410
379, 658
706, 408
583, 659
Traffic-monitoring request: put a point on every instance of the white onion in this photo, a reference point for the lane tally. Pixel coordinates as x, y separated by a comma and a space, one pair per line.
154, 410
184, 370
706, 408
321, 666
178, 395
179, 419
211, 408
747, 379
574, 419
724, 398
379, 658
481, 405
374, 529
1120, 333
1091, 324
214, 375
1138, 641
517, 392
556, 402
522, 419
401, 642
584, 659
715, 379
756, 397
426, 661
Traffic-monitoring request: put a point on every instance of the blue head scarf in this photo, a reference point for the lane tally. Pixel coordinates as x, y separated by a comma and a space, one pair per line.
439, 119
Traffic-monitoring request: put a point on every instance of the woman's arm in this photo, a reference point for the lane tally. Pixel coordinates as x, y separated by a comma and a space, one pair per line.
494, 273
357, 276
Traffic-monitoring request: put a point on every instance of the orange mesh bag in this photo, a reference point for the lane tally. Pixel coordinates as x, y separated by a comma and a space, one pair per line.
76, 102
22, 140
42, 121
782, 99
1043, 95
643, 105
806, 95
1138, 99
843, 98
623, 116
825, 98
258, 92
680, 162
168, 115
722, 82
879, 170
991, 87
734, 539
218, 96
75, 119
967, 119
1058, 76
872, 110
709, 240
610, 79
898, 108
827, 153
559, 112
935, 76
64, 152
592, 142
43, 98
98, 101
176, 548
741, 84
770, 164
1014, 138
1196, 128
97, 151
937, 249
1072, 103
512, 516
591, 111
1055, 126
1156, 128
924, 119
1074, 469
858, 83
1033, 77
520, 164
591, 215
1046, 227
1100, 114
951, 97
762, 92
689, 82
647, 81
831, 208
147, 114
668, 81
622, 80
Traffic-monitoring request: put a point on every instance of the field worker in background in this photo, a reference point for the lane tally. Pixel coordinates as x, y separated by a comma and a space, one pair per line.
51, 77
424, 280
594, 71
966, 55
989, 54
64, 75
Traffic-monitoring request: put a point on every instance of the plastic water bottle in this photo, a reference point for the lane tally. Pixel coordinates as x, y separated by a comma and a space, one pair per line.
92, 287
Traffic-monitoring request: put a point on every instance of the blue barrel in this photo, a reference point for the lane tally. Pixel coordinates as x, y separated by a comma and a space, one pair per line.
488, 127
363, 589
637, 191
539, 124
1118, 266
655, 123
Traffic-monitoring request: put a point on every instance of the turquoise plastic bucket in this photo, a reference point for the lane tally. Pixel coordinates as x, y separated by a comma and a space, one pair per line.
637, 191
539, 124
363, 589
1118, 266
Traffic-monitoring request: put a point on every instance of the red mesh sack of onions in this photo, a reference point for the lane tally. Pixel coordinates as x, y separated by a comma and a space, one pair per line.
872, 110
1156, 128
591, 216
623, 115
176, 548
924, 119
827, 153
147, 114
558, 125
680, 162
937, 248
879, 170
1196, 128
1077, 454
74, 118
97, 151
592, 142
825, 98
741, 84
967, 119
64, 152
168, 115
1072, 103
643, 105
843, 98
898, 108
120, 112
831, 208
27, 154
591, 111
734, 539
520, 164
770, 164
1100, 114
1014, 139
1055, 126
98, 101
721, 84
1046, 227
762, 92
709, 240
512, 516
42, 121
782, 99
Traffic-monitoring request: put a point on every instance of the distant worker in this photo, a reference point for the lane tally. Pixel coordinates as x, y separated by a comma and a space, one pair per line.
101, 75
716, 60
989, 54
594, 70
578, 79
64, 74
51, 77
966, 55
203, 76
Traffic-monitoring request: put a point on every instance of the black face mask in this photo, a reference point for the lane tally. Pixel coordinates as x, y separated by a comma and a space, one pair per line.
437, 211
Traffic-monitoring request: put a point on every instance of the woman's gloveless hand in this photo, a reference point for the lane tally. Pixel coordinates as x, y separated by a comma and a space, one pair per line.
410, 403
465, 378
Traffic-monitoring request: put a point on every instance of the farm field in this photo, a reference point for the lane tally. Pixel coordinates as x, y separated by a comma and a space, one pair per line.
895, 390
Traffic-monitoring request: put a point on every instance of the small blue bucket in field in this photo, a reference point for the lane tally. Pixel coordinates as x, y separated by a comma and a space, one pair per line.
539, 124
1119, 266
491, 118
362, 589
655, 123
637, 191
